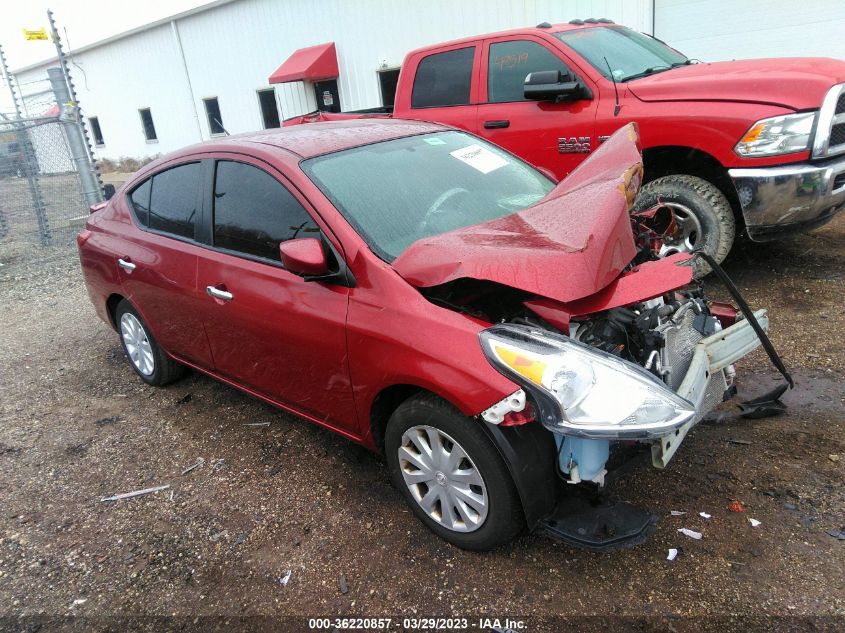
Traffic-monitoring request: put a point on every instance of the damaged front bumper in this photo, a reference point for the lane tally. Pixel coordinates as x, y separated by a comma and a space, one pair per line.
711, 356
702, 387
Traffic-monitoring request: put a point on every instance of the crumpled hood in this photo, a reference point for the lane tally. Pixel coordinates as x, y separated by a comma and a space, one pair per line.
570, 245
799, 83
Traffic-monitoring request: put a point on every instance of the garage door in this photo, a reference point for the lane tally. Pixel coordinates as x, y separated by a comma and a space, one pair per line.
714, 30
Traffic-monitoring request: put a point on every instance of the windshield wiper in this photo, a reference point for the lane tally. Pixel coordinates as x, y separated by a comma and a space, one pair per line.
657, 69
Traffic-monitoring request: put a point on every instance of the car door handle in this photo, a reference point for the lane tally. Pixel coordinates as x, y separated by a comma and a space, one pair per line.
218, 294
126, 265
496, 125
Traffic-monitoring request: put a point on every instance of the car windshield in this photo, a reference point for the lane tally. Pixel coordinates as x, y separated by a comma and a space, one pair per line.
397, 192
629, 54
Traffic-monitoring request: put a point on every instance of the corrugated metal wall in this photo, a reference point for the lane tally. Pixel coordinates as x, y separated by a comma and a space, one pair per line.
717, 30
232, 49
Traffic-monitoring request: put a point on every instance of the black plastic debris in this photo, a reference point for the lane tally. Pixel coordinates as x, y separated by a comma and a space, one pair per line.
106, 421
839, 535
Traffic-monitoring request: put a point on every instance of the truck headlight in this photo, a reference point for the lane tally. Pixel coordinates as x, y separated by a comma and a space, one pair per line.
582, 391
778, 135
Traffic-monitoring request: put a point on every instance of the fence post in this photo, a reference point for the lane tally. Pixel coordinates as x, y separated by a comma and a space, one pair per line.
75, 139
77, 111
30, 163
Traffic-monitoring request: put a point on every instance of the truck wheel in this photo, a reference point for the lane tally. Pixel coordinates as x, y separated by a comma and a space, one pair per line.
681, 213
451, 474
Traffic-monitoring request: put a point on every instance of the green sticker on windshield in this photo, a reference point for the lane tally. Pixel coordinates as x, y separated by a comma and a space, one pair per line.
435, 141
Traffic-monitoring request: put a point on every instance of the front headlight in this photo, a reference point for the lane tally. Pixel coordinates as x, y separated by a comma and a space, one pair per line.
778, 135
582, 391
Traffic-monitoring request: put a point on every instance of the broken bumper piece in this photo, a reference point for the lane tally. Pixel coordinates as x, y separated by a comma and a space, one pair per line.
712, 355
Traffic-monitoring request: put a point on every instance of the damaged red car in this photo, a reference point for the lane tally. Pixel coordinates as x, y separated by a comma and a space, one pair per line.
424, 293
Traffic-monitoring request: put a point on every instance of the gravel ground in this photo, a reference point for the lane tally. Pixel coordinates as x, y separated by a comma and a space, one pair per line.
290, 498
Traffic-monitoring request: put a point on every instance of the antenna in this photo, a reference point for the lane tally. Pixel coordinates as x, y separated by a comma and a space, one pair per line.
615, 89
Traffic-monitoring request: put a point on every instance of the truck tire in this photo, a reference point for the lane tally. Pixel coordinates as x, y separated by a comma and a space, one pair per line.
451, 475
682, 213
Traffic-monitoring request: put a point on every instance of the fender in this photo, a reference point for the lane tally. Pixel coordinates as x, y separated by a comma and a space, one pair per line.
529, 453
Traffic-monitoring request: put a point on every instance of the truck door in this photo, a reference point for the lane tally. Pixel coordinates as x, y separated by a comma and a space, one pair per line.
557, 136
445, 87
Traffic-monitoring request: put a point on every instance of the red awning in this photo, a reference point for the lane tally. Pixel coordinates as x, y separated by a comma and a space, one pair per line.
314, 63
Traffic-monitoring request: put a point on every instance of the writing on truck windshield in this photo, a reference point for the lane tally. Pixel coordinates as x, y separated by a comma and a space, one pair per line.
625, 53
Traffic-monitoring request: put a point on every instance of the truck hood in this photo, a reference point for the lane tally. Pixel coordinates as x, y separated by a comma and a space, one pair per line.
799, 83
571, 244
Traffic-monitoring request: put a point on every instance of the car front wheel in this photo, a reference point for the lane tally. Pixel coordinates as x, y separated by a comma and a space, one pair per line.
451, 474
145, 355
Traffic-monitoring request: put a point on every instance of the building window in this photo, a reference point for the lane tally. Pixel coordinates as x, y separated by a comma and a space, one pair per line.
443, 79
149, 126
269, 109
212, 111
96, 132
387, 80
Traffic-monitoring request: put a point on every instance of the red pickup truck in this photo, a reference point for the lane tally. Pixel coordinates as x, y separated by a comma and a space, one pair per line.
754, 144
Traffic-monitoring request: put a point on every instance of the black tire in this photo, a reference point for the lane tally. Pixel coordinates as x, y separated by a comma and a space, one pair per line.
165, 369
705, 201
504, 518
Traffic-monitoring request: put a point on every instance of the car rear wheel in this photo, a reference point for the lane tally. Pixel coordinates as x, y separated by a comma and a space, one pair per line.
145, 355
451, 474
681, 213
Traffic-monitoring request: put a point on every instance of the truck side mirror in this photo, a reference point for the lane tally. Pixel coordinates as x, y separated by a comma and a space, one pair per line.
552, 85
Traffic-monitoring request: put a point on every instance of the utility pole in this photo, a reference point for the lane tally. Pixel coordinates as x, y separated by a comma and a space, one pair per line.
80, 144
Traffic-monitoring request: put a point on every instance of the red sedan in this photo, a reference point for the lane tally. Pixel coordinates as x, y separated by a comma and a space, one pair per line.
428, 295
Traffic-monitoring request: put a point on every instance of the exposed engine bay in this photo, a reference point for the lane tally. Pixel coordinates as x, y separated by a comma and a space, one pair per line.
659, 334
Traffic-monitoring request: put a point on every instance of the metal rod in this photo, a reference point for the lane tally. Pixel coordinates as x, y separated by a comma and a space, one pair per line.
175, 29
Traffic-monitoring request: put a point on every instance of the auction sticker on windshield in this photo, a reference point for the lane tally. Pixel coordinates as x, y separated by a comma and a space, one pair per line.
479, 158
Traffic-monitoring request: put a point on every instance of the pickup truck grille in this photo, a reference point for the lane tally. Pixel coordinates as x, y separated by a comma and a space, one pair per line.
837, 135
830, 135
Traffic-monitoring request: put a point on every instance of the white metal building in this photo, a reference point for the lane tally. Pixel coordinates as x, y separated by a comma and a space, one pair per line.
180, 80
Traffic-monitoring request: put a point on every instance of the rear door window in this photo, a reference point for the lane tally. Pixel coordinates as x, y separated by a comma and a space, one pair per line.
254, 212
173, 201
443, 79
140, 199
510, 62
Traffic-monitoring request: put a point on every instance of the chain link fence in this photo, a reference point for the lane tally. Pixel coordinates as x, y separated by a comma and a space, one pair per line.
41, 194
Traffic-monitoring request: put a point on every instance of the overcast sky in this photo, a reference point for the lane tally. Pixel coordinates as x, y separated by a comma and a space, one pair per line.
85, 21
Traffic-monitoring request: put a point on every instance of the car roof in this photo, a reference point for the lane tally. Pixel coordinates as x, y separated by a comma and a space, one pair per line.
313, 139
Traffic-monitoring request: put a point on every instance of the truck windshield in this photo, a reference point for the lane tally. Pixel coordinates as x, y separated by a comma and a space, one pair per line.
629, 54
396, 192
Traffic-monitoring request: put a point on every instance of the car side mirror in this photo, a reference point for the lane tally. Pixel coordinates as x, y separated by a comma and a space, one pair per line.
304, 256
552, 85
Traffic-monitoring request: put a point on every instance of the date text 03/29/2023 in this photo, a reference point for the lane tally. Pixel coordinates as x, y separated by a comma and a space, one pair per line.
418, 624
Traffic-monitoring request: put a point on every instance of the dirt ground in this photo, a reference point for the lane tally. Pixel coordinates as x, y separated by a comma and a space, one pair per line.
290, 498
